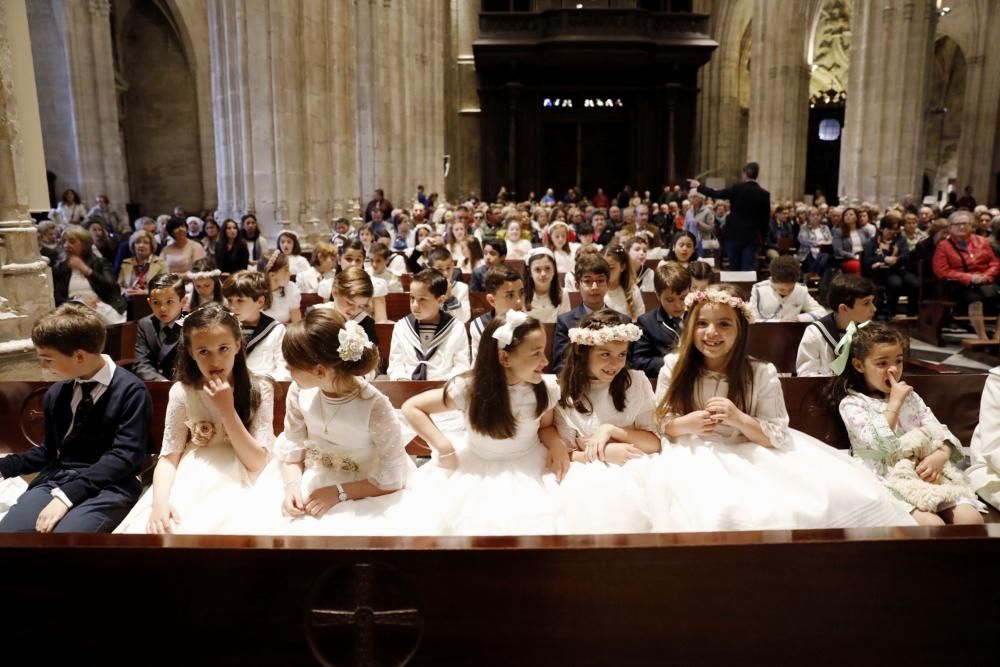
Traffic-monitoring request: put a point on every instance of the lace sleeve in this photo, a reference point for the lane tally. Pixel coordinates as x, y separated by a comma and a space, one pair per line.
769, 407
175, 429
871, 438
262, 423
393, 463
290, 445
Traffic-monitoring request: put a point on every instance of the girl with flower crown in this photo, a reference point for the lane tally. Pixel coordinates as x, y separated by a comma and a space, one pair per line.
217, 433
729, 460
605, 418
341, 458
492, 477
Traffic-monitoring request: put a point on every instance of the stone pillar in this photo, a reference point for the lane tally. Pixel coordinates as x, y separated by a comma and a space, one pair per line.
982, 100
25, 279
457, 30
779, 102
885, 125
95, 103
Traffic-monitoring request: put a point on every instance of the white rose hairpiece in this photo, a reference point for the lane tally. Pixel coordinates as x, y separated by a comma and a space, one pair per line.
504, 333
619, 333
716, 295
353, 341
201, 275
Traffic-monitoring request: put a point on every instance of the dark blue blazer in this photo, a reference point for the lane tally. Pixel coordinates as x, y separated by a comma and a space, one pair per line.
564, 323
660, 335
153, 361
110, 450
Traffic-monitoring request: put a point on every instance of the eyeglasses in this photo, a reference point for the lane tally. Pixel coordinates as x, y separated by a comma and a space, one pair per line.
593, 282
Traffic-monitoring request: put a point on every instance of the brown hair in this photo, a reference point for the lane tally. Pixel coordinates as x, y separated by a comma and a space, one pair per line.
199, 266
249, 285
671, 276
353, 282
313, 340
497, 276
82, 235
574, 380
324, 249
68, 328
246, 394
170, 281
489, 398
784, 269
590, 262
679, 398
435, 281
379, 250
701, 271
865, 338
626, 277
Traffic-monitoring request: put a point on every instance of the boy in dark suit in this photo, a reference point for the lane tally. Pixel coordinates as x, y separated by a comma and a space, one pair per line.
592, 273
97, 426
158, 334
661, 327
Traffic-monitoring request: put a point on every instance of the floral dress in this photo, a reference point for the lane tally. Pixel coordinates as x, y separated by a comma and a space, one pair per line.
211, 486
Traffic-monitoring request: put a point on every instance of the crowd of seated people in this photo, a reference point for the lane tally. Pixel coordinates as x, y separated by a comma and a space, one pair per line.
646, 271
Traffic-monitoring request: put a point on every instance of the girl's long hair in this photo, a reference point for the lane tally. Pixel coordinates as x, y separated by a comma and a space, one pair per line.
246, 395
490, 412
202, 265
574, 380
864, 340
626, 277
679, 398
555, 292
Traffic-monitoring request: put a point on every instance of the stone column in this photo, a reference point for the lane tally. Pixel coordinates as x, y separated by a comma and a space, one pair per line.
982, 100
779, 102
885, 125
457, 30
25, 279
95, 103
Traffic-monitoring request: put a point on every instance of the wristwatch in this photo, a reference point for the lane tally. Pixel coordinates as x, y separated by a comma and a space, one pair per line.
342, 495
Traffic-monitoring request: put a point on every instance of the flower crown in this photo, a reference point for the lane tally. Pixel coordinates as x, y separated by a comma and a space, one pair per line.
353, 341
201, 275
618, 333
716, 295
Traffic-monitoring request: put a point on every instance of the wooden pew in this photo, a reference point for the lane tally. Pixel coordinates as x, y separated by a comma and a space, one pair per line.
309, 299
384, 332
119, 343
478, 304
137, 306
776, 342
397, 305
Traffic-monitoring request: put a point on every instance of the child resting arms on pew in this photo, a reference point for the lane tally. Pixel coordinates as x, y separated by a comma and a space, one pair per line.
729, 460
498, 484
217, 433
97, 422
894, 432
342, 450
605, 416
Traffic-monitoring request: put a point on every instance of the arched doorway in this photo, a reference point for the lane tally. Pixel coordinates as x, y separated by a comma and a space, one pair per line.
159, 111
944, 127
829, 58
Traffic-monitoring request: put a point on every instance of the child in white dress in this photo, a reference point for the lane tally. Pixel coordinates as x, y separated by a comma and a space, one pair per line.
341, 455
543, 298
984, 450
623, 294
205, 284
557, 241
729, 460
894, 432
605, 417
285, 295
217, 434
498, 483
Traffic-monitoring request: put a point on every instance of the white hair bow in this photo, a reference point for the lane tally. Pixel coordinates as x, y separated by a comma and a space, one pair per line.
504, 333
353, 341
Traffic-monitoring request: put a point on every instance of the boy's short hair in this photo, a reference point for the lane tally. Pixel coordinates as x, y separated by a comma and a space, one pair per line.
591, 263
68, 328
846, 288
249, 285
784, 269
584, 229
439, 254
701, 271
378, 251
168, 281
498, 275
671, 277
324, 249
497, 244
435, 282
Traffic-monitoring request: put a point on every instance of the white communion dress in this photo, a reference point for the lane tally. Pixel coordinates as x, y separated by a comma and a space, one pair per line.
500, 486
603, 497
211, 488
724, 482
10, 490
340, 440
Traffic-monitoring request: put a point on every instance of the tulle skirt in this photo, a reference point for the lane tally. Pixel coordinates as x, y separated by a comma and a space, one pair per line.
605, 498
702, 485
10, 490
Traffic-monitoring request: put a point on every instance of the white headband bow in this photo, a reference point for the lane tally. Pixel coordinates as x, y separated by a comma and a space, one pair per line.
353, 341
535, 252
504, 333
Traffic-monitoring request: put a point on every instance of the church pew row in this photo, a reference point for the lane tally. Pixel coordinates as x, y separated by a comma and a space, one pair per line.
954, 399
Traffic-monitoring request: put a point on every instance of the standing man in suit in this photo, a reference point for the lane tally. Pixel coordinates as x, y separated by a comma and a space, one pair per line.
97, 425
748, 220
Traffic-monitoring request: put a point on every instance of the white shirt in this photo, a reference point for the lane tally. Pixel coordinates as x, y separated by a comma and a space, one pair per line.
460, 291
769, 306
282, 305
450, 358
615, 299
297, 264
815, 355
308, 281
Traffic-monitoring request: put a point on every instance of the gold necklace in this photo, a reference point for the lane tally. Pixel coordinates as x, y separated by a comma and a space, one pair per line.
337, 404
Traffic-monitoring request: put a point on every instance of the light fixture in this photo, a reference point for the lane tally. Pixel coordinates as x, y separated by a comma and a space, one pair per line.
944, 11
579, 5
